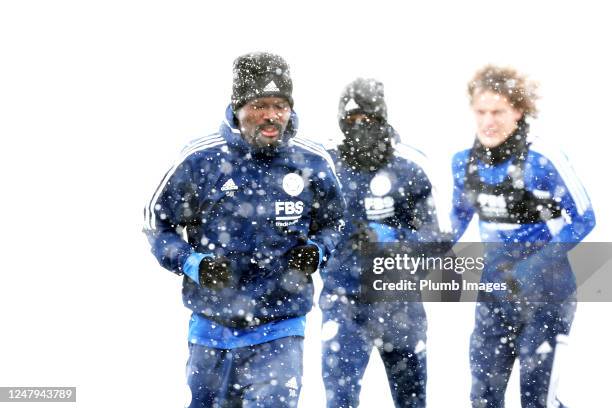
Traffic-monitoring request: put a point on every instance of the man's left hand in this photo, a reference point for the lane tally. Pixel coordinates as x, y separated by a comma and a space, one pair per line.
304, 257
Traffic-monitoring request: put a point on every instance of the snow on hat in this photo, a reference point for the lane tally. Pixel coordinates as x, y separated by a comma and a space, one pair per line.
365, 96
260, 74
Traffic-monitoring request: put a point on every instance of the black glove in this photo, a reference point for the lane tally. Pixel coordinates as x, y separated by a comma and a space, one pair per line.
304, 257
214, 272
363, 235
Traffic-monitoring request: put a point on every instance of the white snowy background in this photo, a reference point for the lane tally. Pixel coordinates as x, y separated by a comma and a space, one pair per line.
98, 97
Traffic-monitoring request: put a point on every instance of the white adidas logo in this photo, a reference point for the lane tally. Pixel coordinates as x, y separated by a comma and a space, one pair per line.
271, 87
544, 348
229, 186
351, 105
420, 347
292, 383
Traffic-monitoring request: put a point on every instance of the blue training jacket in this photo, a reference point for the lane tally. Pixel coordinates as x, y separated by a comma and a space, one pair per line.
395, 201
225, 197
543, 268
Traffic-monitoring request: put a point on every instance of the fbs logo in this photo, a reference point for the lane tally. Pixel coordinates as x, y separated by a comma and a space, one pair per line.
288, 212
493, 205
229, 187
379, 208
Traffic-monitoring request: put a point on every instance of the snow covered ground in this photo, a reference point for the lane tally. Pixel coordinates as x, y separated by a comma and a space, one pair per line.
97, 98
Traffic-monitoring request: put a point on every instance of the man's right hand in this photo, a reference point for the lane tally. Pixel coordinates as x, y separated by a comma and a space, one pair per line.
362, 235
214, 272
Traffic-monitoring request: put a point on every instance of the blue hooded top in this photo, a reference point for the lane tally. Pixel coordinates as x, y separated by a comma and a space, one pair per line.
396, 202
531, 253
226, 197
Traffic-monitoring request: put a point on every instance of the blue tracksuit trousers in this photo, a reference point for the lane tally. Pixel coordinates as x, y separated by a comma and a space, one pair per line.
532, 332
264, 375
397, 330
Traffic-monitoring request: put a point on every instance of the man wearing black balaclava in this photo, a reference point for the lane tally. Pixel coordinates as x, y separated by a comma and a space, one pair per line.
363, 121
389, 199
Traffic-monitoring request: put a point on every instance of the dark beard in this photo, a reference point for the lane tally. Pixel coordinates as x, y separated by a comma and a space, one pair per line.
257, 135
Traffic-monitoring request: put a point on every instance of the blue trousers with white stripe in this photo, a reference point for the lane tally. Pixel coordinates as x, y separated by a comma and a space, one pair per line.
532, 332
396, 330
264, 375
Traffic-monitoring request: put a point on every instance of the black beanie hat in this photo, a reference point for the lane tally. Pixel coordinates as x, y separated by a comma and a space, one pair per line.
260, 74
365, 96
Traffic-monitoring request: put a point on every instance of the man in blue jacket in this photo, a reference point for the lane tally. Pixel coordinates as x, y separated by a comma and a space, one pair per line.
246, 215
389, 199
532, 209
